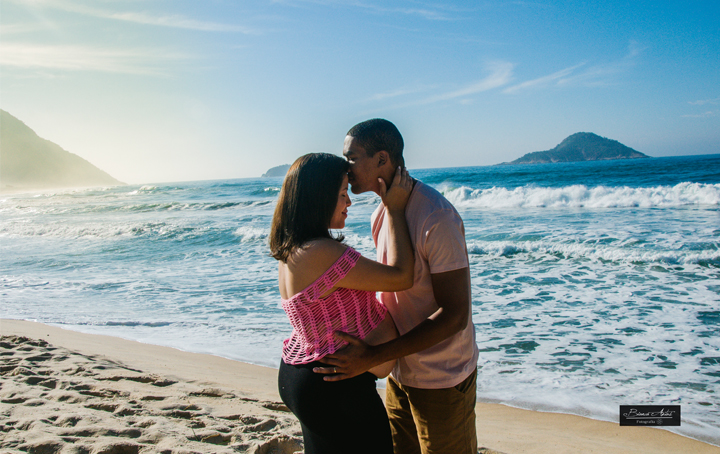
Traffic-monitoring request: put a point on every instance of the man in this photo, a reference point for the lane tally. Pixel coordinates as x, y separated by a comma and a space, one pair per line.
431, 393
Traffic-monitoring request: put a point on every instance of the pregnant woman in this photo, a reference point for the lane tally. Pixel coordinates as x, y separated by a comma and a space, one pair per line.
327, 286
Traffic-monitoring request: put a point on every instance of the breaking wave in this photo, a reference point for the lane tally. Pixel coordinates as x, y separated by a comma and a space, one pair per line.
710, 256
580, 196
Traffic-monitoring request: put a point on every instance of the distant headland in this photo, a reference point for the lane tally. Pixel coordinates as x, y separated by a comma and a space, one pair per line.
581, 146
30, 162
278, 171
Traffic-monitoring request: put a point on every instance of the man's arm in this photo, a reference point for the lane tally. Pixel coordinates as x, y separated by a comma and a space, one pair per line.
452, 293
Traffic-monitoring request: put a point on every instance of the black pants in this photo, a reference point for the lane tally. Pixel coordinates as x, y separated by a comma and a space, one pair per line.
341, 417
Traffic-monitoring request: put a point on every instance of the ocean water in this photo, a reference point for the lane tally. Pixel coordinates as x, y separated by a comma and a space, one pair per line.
594, 284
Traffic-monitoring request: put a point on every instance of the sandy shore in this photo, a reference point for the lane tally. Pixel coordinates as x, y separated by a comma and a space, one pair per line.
62, 391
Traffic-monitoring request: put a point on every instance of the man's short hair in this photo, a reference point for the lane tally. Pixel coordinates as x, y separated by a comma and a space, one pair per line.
377, 135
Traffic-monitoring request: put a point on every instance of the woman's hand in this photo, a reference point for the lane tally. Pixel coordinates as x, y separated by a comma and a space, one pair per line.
397, 196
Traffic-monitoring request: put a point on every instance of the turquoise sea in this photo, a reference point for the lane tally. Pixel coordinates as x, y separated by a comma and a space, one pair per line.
595, 284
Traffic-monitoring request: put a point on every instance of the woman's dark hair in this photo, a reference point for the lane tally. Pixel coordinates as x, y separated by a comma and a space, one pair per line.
306, 202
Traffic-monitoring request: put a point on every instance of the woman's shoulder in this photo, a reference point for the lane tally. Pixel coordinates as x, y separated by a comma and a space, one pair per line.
321, 252
308, 263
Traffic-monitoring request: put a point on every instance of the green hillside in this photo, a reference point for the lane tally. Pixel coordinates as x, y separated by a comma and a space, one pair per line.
582, 146
28, 161
278, 171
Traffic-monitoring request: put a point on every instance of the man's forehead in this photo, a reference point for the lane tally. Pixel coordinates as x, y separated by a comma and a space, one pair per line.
352, 147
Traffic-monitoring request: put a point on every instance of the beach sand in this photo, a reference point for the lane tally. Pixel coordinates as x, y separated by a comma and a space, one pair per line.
68, 392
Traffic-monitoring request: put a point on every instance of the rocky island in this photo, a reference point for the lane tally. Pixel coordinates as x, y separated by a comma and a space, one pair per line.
582, 146
29, 162
278, 171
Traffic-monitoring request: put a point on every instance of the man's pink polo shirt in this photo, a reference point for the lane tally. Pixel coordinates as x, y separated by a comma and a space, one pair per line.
438, 237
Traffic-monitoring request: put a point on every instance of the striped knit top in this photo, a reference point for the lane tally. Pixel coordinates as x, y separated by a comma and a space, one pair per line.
315, 319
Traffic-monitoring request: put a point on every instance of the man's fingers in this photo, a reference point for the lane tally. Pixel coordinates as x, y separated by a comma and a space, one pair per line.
398, 175
347, 338
383, 188
406, 178
332, 373
337, 377
325, 370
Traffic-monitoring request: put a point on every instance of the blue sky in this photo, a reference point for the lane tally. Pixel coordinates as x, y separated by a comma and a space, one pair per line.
177, 90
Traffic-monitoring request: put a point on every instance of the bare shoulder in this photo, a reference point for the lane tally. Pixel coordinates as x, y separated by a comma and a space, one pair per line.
308, 263
320, 253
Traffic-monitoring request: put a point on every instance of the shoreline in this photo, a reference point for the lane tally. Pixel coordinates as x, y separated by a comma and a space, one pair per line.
500, 428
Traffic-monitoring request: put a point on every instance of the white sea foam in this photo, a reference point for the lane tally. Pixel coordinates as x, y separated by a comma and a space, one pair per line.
592, 252
146, 189
88, 230
362, 243
250, 233
577, 196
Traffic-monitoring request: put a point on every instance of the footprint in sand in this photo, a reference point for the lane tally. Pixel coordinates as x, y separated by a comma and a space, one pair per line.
57, 401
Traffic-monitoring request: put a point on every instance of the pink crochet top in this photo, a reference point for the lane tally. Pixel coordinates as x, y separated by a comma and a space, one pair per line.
315, 319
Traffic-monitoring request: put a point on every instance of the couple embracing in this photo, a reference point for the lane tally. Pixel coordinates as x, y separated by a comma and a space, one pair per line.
344, 337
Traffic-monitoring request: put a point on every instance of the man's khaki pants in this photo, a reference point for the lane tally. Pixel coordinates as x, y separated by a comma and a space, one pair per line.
432, 421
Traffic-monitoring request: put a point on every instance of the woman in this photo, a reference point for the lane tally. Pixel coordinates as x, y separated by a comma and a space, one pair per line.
325, 287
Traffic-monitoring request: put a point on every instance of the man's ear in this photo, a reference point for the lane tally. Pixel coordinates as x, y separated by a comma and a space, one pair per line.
383, 158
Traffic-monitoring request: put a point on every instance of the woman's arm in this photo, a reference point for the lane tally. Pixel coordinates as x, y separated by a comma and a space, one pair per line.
398, 273
453, 296
306, 264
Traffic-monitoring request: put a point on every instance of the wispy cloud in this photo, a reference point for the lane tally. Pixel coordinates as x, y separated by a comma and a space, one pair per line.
500, 74
429, 14
84, 58
703, 102
606, 73
593, 76
709, 113
18, 29
589, 76
175, 21
145, 18
543, 81
400, 92
429, 11
634, 49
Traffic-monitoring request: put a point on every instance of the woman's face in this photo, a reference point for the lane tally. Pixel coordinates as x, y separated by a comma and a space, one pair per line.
343, 202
